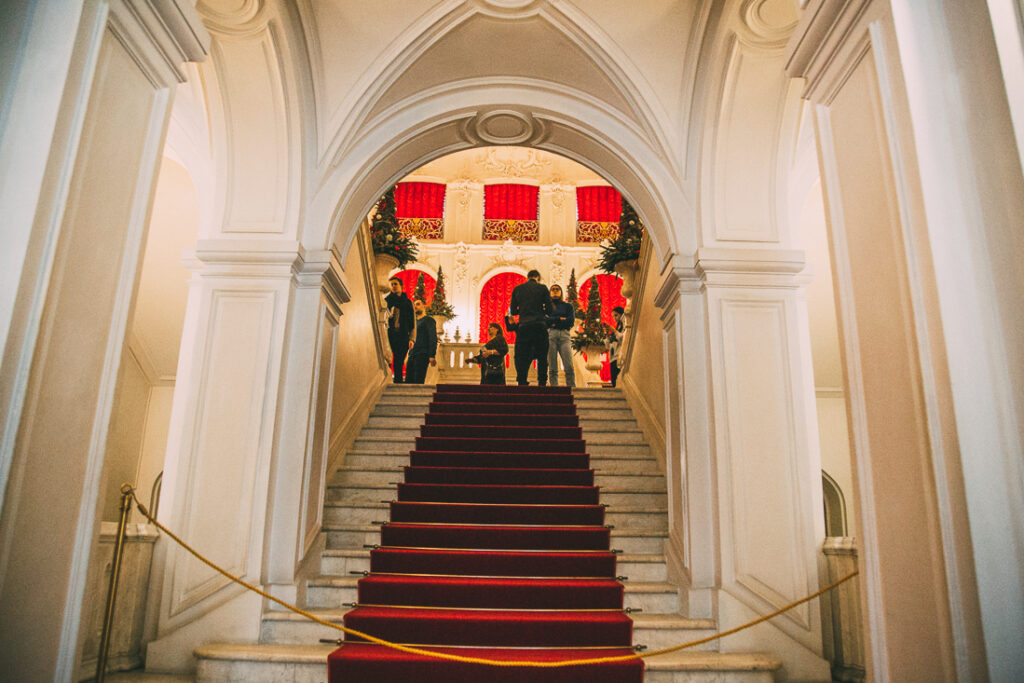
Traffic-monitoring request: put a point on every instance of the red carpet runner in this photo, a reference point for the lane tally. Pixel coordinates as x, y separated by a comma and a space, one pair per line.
496, 548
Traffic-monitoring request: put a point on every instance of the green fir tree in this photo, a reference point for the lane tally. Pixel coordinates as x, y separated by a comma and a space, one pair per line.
385, 235
592, 331
625, 247
440, 306
421, 290
571, 296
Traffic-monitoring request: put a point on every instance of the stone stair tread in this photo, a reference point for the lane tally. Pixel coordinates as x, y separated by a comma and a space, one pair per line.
651, 557
655, 620
266, 652
346, 552
638, 532
649, 587
699, 660
327, 580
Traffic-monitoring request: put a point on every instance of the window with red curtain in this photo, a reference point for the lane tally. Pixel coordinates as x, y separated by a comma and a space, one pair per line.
609, 288
511, 212
409, 278
420, 209
598, 209
495, 298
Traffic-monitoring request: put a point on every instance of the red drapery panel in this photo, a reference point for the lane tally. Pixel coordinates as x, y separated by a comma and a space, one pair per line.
510, 212
495, 298
420, 209
609, 288
409, 278
598, 209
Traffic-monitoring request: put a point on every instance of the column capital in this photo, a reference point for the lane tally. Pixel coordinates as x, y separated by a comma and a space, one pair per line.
823, 30
162, 35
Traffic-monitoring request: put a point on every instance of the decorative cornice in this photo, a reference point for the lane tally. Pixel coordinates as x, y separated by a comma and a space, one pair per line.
822, 31
335, 285
161, 36
675, 280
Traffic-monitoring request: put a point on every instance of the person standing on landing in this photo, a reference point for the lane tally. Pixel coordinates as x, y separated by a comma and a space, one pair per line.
559, 323
532, 303
615, 343
401, 323
424, 349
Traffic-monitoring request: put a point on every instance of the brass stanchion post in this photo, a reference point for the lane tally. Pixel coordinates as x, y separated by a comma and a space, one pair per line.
115, 571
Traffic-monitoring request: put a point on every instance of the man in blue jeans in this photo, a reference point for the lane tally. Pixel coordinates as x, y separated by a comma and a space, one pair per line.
560, 322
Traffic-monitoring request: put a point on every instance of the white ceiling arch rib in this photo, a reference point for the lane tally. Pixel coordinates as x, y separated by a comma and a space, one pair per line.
461, 39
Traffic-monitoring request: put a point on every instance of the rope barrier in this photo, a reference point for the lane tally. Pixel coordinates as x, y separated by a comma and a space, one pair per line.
476, 660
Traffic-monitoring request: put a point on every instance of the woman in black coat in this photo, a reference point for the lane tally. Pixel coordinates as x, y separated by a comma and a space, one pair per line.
492, 357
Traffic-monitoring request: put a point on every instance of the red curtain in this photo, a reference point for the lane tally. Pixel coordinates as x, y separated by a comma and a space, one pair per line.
598, 209
510, 212
420, 200
598, 203
495, 298
609, 288
409, 278
420, 209
511, 202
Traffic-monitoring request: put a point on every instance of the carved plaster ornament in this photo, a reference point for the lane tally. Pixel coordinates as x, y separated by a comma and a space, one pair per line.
559, 192
461, 272
770, 22
512, 167
463, 187
557, 273
509, 253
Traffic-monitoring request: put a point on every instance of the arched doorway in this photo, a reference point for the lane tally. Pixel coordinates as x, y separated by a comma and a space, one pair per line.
495, 297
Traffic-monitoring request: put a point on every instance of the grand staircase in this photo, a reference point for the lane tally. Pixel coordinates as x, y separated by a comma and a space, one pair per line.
358, 502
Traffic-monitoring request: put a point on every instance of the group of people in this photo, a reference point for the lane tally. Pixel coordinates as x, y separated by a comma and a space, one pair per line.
412, 334
542, 335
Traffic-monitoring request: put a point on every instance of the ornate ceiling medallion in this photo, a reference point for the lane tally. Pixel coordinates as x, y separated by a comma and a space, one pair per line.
503, 127
510, 9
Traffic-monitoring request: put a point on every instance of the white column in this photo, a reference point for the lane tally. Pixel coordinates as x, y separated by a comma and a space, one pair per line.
742, 449
767, 462
218, 467
299, 469
77, 279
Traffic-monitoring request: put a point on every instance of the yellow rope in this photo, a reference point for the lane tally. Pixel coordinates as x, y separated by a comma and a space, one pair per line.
476, 660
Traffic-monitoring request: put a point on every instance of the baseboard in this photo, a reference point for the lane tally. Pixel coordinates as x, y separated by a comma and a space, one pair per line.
345, 435
653, 431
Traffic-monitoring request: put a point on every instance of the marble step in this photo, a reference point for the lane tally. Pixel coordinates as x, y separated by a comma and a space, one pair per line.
656, 631
603, 459
274, 663
629, 541
341, 561
376, 492
387, 408
608, 444
361, 512
650, 597
408, 434
379, 423
384, 476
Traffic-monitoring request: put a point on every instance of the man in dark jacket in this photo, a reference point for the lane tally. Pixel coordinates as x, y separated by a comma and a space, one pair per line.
560, 323
401, 326
424, 350
532, 303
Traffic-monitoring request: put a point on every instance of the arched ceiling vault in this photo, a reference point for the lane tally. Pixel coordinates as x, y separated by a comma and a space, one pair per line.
541, 73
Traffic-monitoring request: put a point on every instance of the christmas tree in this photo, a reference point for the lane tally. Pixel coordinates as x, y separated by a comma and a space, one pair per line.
625, 247
439, 306
571, 297
386, 237
592, 331
421, 290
